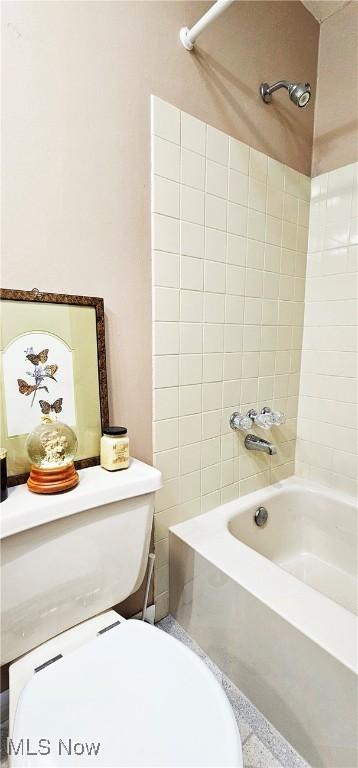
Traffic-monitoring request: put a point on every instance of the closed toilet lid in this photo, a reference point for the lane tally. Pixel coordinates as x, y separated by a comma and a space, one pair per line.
133, 696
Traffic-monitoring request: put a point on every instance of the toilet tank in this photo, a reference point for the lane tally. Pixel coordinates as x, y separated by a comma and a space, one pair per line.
67, 557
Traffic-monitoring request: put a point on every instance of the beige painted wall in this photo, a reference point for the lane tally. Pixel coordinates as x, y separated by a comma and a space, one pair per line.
336, 111
76, 149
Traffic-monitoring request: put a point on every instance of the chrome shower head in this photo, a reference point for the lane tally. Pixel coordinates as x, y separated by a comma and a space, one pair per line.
299, 93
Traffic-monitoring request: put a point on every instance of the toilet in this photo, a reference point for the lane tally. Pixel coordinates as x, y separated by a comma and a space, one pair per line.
89, 687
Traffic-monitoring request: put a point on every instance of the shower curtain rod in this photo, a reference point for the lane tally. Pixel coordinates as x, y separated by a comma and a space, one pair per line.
188, 36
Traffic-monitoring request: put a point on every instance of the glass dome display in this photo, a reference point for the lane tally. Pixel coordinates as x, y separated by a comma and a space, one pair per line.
51, 445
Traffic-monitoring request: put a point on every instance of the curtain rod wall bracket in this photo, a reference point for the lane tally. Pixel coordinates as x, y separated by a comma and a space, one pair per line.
184, 38
188, 36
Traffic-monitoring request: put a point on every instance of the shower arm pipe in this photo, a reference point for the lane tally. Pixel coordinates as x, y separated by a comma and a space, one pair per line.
189, 36
275, 87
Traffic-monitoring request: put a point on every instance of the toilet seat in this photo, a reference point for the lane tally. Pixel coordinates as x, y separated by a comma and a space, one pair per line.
146, 698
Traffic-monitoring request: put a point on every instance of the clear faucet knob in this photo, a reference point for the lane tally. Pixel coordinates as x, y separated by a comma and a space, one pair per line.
264, 420
238, 421
278, 417
245, 423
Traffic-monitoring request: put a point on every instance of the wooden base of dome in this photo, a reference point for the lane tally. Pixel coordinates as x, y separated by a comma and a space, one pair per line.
53, 480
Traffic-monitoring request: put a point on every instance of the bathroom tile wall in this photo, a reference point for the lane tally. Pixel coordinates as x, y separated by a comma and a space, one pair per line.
229, 243
327, 423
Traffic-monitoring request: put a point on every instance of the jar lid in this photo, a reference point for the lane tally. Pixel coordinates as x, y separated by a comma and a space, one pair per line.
114, 431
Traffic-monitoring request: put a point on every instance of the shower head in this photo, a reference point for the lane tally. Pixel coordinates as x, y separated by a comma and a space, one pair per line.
299, 93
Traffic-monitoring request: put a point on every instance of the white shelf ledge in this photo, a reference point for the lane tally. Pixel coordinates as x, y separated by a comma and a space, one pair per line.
23, 509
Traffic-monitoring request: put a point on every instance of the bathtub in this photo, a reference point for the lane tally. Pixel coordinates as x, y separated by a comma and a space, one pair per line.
274, 606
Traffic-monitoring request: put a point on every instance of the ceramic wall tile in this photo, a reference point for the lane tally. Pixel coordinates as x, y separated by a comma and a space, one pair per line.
238, 156
215, 244
165, 196
327, 428
165, 269
193, 133
166, 158
165, 233
228, 292
165, 120
192, 239
192, 169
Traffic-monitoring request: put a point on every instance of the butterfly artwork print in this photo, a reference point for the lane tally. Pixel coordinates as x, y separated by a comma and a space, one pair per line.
28, 389
56, 406
50, 371
40, 371
41, 357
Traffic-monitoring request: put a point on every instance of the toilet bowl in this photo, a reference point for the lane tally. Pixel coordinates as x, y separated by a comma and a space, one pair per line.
129, 695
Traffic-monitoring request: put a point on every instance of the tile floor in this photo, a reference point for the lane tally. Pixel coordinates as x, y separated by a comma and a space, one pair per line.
4, 727
263, 745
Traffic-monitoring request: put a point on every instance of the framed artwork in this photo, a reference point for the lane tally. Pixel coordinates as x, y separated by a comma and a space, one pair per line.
53, 361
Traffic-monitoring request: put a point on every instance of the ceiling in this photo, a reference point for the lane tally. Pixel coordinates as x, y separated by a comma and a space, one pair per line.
322, 9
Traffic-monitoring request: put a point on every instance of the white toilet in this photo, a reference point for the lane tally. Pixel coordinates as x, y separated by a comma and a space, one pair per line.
101, 691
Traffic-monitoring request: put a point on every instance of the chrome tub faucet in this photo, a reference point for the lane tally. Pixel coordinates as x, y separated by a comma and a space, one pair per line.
254, 443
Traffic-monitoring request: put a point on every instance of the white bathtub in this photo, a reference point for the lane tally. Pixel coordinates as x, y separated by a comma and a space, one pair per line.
274, 607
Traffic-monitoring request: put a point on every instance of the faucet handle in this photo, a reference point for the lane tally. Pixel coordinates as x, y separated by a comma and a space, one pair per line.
264, 420
268, 418
278, 417
238, 421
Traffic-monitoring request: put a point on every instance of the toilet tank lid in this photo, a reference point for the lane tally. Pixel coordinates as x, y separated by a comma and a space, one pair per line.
142, 694
23, 509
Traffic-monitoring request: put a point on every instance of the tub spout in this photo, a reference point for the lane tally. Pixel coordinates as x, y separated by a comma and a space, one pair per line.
254, 443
